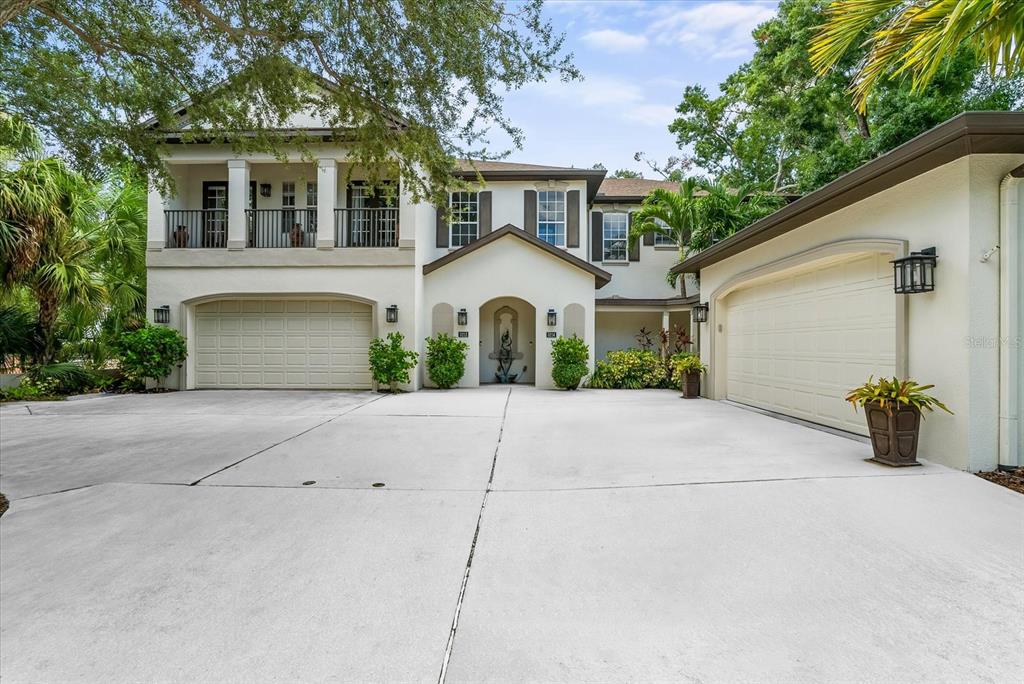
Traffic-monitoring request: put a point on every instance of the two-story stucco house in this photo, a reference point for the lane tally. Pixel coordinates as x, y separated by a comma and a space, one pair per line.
279, 274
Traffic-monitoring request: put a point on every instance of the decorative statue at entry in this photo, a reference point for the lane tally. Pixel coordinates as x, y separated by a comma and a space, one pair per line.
505, 356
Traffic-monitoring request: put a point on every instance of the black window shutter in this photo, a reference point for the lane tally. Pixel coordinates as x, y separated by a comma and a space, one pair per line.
484, 212
648, 239
634, 247
442, 225
572, 218
596, 236
530, 211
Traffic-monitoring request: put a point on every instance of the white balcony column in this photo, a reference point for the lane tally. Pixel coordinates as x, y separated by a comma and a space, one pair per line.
238, 196
326, 201
156, 228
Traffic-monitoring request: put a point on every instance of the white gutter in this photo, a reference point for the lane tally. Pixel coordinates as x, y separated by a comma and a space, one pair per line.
1010, 377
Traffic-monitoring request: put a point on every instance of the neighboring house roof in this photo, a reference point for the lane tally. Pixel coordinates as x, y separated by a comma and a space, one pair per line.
968, 133
631, 189
511, 171
601, 276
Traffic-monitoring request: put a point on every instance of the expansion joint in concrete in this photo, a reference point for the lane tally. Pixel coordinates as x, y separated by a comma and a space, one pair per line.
472, 547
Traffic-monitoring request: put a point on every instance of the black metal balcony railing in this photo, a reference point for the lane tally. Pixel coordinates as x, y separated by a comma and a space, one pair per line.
366, 227
281, 227
196, 228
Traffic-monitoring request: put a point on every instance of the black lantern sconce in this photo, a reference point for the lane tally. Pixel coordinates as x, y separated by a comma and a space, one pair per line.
552, 318
463, 317
700, 313
391, 314
915, 273
162, 314
264, 189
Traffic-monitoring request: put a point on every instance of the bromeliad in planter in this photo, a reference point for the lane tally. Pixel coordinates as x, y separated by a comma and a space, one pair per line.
893, 411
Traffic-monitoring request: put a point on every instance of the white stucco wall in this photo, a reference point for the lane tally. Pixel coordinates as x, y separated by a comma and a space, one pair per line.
510, 267
949, 332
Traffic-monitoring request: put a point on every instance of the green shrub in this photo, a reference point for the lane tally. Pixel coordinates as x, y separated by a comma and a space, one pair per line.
150, 352
60, 378
569, 356
28, 392
390, 363
446, 360
629, 369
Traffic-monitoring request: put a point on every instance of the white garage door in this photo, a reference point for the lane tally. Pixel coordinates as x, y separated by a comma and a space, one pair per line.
275, 343
796, 344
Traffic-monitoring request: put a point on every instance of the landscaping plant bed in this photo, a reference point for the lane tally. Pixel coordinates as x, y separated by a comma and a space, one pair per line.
1011, 479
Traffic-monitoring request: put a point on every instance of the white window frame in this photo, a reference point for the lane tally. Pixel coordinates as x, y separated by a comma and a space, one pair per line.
461, 205
662, 240
548, 218
605, 239
312, 193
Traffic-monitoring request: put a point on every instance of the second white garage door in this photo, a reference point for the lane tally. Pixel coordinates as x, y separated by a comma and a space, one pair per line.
796, 344
276, 343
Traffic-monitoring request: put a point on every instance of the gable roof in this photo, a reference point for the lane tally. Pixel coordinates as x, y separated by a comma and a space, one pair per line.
631, 189
965, 134
511, 171
601, 277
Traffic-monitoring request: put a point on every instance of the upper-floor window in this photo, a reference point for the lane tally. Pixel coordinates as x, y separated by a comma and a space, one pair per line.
663, 240
616, 237
551, 217
311, 196
464, 222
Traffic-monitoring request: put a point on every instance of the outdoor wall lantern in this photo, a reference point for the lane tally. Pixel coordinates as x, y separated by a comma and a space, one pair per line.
463, 317
264, 189
162, 314
552, 318
391, 314
914, 273
700, 313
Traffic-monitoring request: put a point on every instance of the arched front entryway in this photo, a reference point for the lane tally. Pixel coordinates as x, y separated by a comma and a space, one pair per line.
515, 320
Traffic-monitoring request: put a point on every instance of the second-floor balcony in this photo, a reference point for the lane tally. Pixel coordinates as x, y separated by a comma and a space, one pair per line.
285, 228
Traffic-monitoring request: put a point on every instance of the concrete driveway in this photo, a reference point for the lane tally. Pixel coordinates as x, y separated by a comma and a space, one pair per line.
513, 535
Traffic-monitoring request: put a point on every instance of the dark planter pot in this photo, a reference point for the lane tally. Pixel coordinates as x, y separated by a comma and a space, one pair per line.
894, 437
691, 385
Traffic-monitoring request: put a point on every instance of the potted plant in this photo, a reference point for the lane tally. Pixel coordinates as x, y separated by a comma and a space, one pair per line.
296, 235
181, 236
893, 411
687, 368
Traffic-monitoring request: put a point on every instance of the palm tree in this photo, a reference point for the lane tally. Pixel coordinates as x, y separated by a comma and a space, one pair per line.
669, 214
722, 211
913, 37
47, 242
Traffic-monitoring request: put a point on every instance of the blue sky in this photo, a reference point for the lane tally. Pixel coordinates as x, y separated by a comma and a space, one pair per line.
636, 57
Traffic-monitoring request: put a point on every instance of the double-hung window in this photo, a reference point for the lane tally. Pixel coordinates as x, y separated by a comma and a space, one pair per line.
663, 240
616, 237
464, 222
551, 217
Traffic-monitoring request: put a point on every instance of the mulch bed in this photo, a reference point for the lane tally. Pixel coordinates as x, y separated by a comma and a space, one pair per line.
1011, 479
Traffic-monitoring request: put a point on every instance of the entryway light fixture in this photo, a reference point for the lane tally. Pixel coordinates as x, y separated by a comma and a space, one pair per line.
264, 189
915, 273
700, 313
463, 317
391, 314
552, 318
162, 314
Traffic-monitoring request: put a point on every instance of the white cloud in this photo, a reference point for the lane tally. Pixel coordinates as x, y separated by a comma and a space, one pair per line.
615, 41
650, 114
719, 30
619, 98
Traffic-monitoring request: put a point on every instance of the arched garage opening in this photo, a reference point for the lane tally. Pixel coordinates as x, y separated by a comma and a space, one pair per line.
294, 342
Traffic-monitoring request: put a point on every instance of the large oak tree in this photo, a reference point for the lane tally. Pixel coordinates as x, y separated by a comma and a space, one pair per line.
421, 81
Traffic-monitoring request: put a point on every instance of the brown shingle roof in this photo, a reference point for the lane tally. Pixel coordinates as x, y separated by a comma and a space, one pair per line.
632, 187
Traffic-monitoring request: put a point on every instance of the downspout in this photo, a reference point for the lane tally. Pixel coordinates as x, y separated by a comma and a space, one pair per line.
1009, 319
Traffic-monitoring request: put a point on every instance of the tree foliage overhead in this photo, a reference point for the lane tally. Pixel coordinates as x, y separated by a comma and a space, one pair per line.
914, 38
778, 125
421, 82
